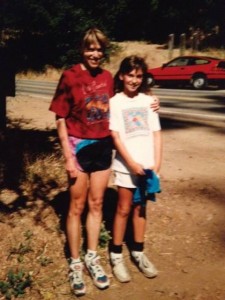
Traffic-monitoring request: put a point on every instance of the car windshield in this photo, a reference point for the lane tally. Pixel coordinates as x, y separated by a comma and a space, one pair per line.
178, 62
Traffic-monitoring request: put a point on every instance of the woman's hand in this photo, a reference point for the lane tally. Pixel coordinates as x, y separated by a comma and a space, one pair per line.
155, 106
70, 165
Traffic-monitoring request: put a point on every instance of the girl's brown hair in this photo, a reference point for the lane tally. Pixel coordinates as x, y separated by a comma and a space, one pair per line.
127, 65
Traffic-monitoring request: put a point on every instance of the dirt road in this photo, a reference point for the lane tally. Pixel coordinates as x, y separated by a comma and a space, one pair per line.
186, 226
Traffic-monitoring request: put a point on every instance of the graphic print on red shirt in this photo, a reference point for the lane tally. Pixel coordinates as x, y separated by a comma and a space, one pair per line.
96, 102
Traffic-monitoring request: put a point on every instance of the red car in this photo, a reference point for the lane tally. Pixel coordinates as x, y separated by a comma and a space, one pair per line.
198, 71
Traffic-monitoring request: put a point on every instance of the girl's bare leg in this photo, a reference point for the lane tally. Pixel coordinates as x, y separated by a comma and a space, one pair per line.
139, 223
122, 213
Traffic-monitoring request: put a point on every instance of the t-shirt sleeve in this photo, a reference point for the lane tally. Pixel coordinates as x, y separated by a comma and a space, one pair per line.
61, 101
155, 121
110, 86
154, 116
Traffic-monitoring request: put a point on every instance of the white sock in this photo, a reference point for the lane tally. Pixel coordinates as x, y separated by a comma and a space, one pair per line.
114, 255
74, 260
136, 254
90, 254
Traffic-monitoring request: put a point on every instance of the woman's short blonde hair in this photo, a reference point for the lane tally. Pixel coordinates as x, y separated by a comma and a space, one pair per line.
93, 36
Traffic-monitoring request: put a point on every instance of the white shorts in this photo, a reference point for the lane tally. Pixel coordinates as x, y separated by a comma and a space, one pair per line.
125, 180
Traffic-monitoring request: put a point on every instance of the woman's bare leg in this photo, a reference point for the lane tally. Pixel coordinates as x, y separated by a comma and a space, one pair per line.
98, 184
78, 194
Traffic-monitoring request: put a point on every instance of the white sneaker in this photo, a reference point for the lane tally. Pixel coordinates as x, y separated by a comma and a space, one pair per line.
96, 271
144, 264
76, 278
119, 268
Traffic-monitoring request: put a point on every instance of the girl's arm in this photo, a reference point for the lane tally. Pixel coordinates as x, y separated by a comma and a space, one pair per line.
135, 167
157, 135
67, 153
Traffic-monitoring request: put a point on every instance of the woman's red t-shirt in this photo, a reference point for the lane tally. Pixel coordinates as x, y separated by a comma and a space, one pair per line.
83, 100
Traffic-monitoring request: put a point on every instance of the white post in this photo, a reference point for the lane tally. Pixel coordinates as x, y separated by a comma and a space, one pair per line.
182, 43
170, 45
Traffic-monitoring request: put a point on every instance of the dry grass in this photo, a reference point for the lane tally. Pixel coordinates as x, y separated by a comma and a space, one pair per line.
44, 177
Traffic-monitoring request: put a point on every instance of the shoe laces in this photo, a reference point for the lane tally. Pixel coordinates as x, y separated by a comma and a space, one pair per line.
121, 267
145, 261
76, 273
96, 267
117, 260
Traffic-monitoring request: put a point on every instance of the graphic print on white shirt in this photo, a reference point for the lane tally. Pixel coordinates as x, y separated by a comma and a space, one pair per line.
136, 121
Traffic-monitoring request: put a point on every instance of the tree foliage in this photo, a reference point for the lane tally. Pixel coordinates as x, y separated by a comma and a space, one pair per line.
48, 32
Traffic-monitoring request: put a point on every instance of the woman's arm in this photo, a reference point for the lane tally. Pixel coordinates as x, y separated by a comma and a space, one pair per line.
64, 141
135, 167
155, 106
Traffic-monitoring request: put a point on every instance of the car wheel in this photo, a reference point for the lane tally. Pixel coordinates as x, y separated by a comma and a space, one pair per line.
150, 80
199, 81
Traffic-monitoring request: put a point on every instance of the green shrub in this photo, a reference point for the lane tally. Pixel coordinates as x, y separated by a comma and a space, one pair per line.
15, 284
104, 237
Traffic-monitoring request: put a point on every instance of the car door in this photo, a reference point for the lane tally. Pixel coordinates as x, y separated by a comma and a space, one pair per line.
174, 70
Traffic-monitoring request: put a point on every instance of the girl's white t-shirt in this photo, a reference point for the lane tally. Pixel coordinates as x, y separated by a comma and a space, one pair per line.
135, 122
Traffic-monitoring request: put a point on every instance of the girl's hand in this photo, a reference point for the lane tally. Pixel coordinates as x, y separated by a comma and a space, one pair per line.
155, 106
70, 166
137, 169
156, 170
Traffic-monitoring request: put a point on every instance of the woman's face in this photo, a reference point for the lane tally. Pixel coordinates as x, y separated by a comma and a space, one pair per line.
132, 81
92, 56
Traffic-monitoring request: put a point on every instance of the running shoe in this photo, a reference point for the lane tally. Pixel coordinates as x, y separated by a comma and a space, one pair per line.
76, 278
119, 268
144, 264
96, 271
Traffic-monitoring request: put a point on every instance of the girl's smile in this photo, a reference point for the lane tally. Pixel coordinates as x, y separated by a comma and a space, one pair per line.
132, 81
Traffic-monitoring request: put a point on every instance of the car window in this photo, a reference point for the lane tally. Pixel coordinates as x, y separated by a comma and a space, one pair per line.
221, 65
200, 61
178, 62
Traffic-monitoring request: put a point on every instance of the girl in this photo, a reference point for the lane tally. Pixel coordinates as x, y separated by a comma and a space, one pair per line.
136, 133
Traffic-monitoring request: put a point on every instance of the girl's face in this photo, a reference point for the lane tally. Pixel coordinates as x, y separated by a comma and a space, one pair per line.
92, 56
131, 82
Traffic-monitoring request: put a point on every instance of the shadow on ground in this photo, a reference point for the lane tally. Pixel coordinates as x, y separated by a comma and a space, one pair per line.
19, 145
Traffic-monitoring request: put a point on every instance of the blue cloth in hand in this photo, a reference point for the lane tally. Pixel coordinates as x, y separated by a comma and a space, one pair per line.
148, 185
